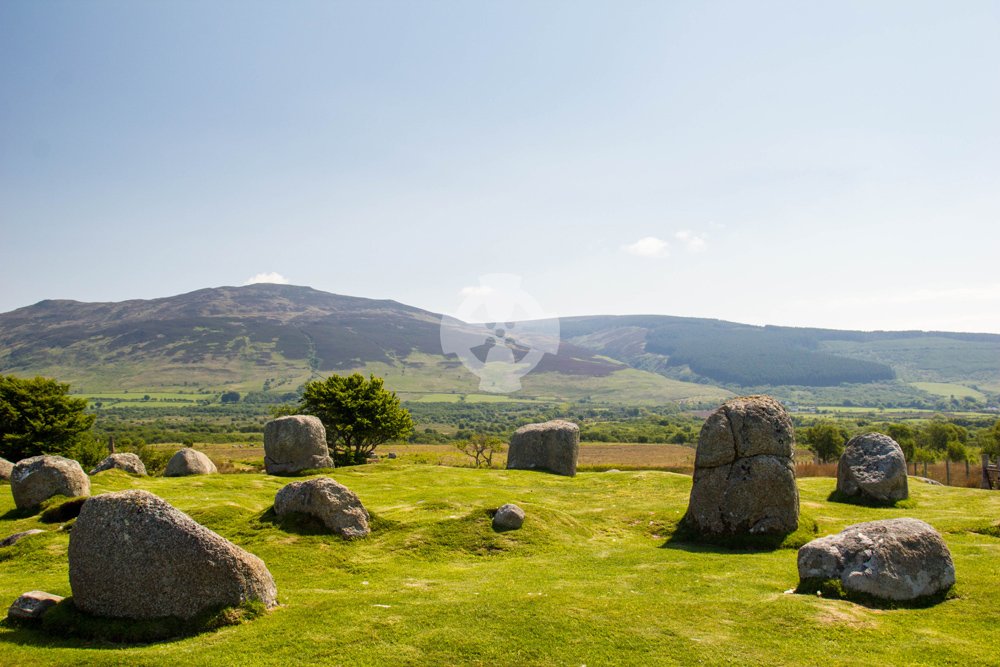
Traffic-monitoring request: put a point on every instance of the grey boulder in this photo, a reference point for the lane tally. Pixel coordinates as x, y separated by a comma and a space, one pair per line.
6, 467
873, 467
133, 555
334, 504
892, 559
508, 517
128, 462
295, 443
744, 475
189, 461
552, 446
31, 606
36, 479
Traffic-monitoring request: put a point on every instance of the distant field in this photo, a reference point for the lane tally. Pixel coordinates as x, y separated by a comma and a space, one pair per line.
948, 389
464, 398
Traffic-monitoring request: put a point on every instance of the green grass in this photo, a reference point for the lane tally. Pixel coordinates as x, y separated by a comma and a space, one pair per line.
592, 578
948, 389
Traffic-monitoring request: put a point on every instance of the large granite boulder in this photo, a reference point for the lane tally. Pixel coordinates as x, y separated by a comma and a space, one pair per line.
295, 443
128, 462
133, 555
892, 559
552, 446
36, 479
189, 461
334, 504
6, 467
873, 467
744, 474
31, 606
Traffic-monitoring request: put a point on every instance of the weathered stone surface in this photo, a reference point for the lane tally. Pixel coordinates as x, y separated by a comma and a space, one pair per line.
508, 517
31, 606
873, 467
295, 443
744, 477
17, 537
128, 462
334, 504
36, 479
133, 555
892, 559
189, 461
6, 467
552, 446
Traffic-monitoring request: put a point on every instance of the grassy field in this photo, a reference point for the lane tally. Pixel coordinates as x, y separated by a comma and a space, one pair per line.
590, 579
949, 389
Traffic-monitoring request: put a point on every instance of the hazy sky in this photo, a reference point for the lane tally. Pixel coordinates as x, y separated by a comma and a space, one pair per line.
827, 164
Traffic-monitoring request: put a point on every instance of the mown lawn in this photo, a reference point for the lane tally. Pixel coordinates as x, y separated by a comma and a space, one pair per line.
589, 580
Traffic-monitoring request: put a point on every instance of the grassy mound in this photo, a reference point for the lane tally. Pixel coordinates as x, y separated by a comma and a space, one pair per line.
584, 581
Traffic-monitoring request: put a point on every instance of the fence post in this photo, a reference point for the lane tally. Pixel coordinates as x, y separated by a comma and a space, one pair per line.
947, 472
985, 484
925, 468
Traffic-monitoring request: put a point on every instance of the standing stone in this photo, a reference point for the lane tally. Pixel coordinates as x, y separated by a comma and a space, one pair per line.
6, 467
334, 504
744, 472
189, 461
128, 462
295, 443
508, 517
873, 467
31, 606
133, 555
36, 479
552, 446
892, 559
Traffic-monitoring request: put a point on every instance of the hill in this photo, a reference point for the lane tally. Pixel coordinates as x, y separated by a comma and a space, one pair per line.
591, 578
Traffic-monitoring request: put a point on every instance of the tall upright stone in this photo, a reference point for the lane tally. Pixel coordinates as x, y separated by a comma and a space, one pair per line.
295, 443
552, 446
744, 474
873, 468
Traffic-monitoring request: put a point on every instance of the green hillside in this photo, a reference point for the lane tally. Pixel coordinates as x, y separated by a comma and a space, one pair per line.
590, 579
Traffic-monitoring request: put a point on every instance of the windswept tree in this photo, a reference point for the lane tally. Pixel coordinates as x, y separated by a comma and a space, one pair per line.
358, 414
38, 416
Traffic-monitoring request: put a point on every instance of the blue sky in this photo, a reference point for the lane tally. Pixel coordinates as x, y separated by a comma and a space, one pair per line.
815, 164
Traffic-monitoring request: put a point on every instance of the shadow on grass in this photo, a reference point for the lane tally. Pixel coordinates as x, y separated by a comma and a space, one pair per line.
833, 589
15, 514
686, 538
300, 523
865, 501
66, 626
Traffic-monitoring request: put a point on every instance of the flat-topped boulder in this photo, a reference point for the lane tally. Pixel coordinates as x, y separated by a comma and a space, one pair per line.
189, 461
34, 480
331, 502
873, 468
6, 467
31, 606
893, 559
295, 443
552, 446
133, 555
744, 475
126, 461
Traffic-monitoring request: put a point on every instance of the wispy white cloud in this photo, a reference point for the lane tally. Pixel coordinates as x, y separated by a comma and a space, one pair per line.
693, 243
268, 277
649, 246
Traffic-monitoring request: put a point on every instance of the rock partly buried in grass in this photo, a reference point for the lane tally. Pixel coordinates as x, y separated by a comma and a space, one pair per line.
5, 469
189, 461
508, 517
132, 555
126, 461
295, 443
892, 559
552, 446
334, 504
31, 606
35, 480
744, 475
17, 537
872, 468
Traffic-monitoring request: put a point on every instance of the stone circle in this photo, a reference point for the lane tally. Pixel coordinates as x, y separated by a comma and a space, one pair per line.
331, 502
130, 463
873, 467
295, 443
189, 461
34, 480
552, 446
